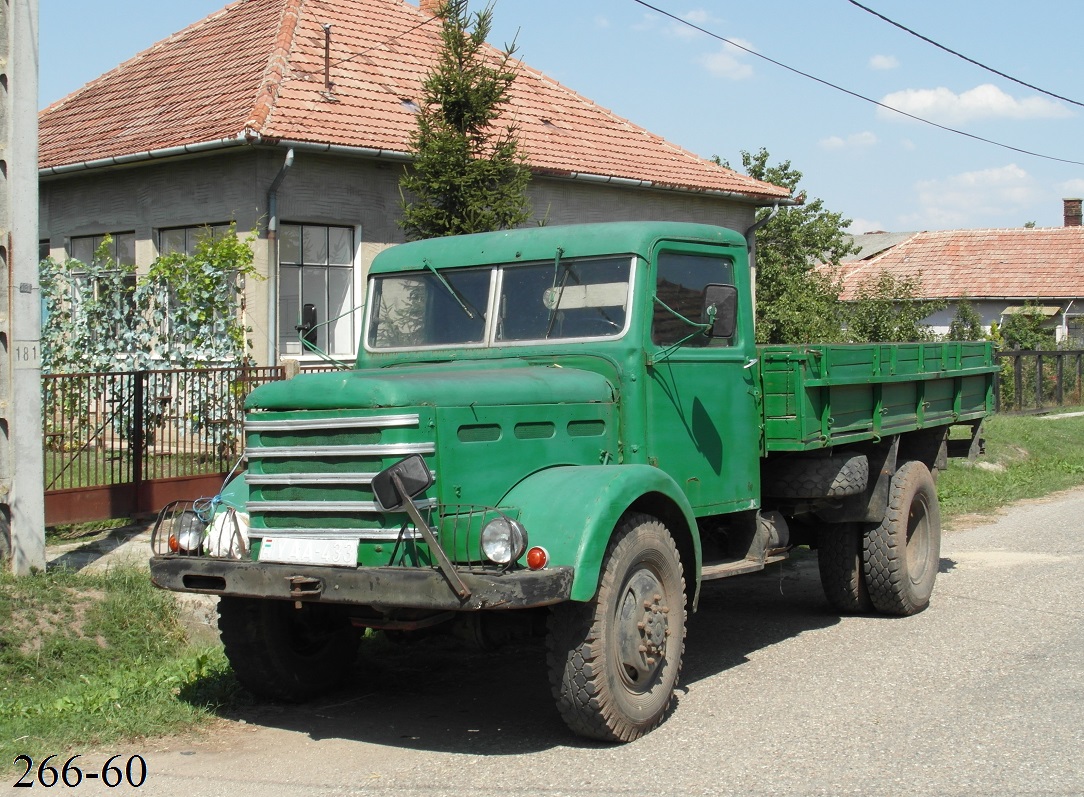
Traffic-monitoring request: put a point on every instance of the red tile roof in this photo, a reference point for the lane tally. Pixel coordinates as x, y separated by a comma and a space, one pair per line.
1017, 263
254, 71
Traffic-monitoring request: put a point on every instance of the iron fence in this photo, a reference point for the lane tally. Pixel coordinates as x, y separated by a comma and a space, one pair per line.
116, 444
1034, 381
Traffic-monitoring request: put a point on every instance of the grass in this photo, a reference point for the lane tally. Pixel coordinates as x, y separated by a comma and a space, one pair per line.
99, 466
1027, 456
88, 660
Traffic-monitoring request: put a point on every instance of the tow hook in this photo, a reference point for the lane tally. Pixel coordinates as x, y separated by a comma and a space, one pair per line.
305, 587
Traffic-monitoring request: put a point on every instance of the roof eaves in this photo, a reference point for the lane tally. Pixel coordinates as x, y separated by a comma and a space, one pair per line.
627, 182
196, 148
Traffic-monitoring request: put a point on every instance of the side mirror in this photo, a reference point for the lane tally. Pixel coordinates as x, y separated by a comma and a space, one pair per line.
720, 309
412, 475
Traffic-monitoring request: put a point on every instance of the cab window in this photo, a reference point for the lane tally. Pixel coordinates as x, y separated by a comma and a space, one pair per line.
679, 290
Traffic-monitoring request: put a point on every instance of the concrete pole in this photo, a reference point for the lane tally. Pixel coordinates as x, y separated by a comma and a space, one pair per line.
22, 498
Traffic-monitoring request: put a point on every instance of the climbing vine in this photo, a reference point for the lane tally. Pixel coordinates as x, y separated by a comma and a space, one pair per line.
186, 312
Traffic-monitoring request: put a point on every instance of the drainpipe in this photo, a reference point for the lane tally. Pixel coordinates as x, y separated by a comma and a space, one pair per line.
751, 243
1065, 319
273, 259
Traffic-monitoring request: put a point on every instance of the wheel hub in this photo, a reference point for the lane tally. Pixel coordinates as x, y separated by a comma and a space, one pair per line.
643, 627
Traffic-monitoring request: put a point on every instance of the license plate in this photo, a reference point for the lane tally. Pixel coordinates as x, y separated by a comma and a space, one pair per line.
294, 551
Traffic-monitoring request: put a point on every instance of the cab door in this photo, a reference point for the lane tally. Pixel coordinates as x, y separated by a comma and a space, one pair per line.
703, 394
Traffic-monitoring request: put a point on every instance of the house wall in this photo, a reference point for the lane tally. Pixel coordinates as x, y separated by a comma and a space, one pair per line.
991, 311
318, 189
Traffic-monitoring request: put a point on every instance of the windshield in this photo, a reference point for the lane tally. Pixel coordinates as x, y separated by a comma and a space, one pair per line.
510, 304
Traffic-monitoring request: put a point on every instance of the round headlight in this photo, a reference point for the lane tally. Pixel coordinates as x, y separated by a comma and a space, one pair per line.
503, 540
187, 536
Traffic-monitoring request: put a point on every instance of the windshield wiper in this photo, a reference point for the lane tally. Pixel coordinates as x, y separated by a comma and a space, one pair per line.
557, 290
468, 308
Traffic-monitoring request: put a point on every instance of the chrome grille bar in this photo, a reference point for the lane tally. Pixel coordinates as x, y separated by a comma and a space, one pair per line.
364, 535
324, 506
392, 450
308, 424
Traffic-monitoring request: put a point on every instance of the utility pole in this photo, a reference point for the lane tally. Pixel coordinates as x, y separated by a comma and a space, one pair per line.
22, 495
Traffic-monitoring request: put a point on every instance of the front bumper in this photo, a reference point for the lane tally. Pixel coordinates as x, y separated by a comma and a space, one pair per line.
385, 587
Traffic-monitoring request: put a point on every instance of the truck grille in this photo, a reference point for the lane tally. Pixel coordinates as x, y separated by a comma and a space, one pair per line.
311, 475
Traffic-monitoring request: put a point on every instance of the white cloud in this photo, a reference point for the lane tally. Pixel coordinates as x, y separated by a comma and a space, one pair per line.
602, 22
955, 202
859, 226
853, 141
727, 63
698, 17
883, 62
1071, 189
982, 102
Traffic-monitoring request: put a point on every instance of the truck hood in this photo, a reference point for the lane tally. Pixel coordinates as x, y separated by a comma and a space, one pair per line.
455, 384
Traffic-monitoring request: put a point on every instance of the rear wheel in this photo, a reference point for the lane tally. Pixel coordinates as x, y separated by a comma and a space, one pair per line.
283, 653
903, 553
614, 662
839, 556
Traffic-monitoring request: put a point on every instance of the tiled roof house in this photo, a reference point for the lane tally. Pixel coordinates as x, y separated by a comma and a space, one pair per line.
998, 271
294, 117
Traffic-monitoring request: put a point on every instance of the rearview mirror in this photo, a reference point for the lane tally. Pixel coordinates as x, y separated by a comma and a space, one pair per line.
412, 474
720, 309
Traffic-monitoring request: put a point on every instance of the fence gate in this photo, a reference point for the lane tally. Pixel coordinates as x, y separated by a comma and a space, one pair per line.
125, 444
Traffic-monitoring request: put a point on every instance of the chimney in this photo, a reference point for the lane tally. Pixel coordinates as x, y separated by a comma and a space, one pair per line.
1072, 212
430, 7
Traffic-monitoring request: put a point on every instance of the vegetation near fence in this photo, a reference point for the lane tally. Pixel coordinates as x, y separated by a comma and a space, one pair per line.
1038, 380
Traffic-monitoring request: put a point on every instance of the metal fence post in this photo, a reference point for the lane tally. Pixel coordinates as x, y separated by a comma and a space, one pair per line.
138, 439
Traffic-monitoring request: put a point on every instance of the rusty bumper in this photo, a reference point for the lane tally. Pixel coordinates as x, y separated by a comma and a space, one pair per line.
386, 587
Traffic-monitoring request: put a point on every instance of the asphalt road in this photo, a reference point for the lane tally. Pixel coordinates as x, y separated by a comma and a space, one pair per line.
981, 694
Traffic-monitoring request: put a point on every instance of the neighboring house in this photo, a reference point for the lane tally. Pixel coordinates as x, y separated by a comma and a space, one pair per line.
240, 117
998, 271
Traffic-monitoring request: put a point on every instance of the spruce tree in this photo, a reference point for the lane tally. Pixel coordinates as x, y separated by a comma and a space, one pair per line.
467, 175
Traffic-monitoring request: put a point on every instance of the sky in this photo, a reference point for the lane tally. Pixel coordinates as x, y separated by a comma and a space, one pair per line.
880, 169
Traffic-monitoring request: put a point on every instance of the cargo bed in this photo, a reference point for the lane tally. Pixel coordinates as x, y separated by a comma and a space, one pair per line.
822, 395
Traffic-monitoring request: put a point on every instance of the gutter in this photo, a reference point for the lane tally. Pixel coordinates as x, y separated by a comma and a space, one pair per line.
628, 182
272, 257
244, 138
139, 157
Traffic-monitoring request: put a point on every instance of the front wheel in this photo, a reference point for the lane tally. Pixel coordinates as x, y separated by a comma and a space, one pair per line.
284, 653
614, 662
903, 554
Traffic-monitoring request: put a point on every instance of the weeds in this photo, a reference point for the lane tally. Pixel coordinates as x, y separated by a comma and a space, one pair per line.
92, 659
1026, 457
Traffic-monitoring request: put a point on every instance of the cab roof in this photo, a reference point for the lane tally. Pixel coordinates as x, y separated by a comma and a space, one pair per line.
541, 243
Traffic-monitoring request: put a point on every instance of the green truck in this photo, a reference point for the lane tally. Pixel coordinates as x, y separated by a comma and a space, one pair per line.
569, 428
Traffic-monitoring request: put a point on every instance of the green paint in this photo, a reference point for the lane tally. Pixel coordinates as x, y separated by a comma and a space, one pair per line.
576, 385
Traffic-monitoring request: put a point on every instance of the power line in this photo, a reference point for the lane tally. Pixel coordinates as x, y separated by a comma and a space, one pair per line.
964, 57
854, 94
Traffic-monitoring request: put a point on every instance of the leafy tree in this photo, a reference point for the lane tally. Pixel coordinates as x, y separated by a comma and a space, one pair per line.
966, 324
1025, 330
887, 309
467, 175
795, 302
